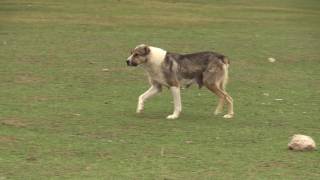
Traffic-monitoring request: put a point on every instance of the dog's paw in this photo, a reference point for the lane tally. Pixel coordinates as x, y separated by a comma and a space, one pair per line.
172, 116
216, 112
139, 111
228, 116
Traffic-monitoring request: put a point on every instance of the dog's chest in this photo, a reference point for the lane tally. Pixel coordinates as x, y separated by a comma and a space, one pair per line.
156, 74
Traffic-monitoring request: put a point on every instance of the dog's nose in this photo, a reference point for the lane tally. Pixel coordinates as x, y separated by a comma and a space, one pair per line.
128, 62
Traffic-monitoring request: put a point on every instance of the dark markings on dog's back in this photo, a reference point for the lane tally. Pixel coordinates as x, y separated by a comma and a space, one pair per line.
192, 66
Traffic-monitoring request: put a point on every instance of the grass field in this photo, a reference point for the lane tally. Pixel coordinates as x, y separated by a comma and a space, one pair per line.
63, 117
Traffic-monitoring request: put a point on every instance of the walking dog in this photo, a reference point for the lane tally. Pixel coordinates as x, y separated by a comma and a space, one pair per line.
172, 70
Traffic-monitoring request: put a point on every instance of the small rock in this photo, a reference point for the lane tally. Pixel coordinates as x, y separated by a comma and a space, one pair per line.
272, 60
162, 151
105, 69
31, 158
91, 62
301, 142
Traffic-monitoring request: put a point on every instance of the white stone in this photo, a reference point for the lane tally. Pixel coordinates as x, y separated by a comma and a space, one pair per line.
301, 143
272, 60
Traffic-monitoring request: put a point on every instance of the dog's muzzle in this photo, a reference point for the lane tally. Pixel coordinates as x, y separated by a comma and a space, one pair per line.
129, 63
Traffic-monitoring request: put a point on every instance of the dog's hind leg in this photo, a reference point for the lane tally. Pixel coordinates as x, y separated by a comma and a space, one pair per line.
222, 86
220, 105
224, 96
153, 90
215, 79
230, 106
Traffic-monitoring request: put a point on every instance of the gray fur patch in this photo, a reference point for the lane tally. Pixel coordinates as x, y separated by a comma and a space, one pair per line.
201, 67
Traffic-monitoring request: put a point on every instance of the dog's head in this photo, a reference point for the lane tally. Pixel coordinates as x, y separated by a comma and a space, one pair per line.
139, 55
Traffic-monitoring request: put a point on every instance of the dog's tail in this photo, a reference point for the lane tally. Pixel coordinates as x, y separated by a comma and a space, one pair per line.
226, 63
225, 60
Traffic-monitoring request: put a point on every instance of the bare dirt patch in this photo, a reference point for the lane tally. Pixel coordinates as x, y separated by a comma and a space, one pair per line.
13, 122
7, 139
27, 79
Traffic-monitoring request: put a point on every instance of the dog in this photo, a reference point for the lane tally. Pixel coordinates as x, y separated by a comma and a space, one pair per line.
173, 70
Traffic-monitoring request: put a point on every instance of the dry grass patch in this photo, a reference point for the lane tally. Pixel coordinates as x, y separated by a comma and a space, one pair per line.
14, 122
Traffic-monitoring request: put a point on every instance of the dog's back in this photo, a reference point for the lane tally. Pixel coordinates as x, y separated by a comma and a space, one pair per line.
203, 67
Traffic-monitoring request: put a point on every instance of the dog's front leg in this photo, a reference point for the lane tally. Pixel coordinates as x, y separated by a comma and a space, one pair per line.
153, 90
177, 102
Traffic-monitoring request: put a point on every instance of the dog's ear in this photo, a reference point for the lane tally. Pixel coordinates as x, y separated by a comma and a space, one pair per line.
143, 50
146, 50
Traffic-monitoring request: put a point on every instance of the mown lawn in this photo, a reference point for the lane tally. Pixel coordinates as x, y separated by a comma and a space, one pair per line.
67, 99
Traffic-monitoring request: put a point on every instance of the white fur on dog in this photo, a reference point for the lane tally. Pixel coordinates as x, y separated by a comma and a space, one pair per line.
302, 143
157, 55
143, 97
176, 101
153, 66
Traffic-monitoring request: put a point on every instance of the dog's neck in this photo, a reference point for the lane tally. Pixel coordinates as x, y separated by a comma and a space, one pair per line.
156, 56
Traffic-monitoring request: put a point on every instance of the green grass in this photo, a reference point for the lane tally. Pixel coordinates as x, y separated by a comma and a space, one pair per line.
62, 117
